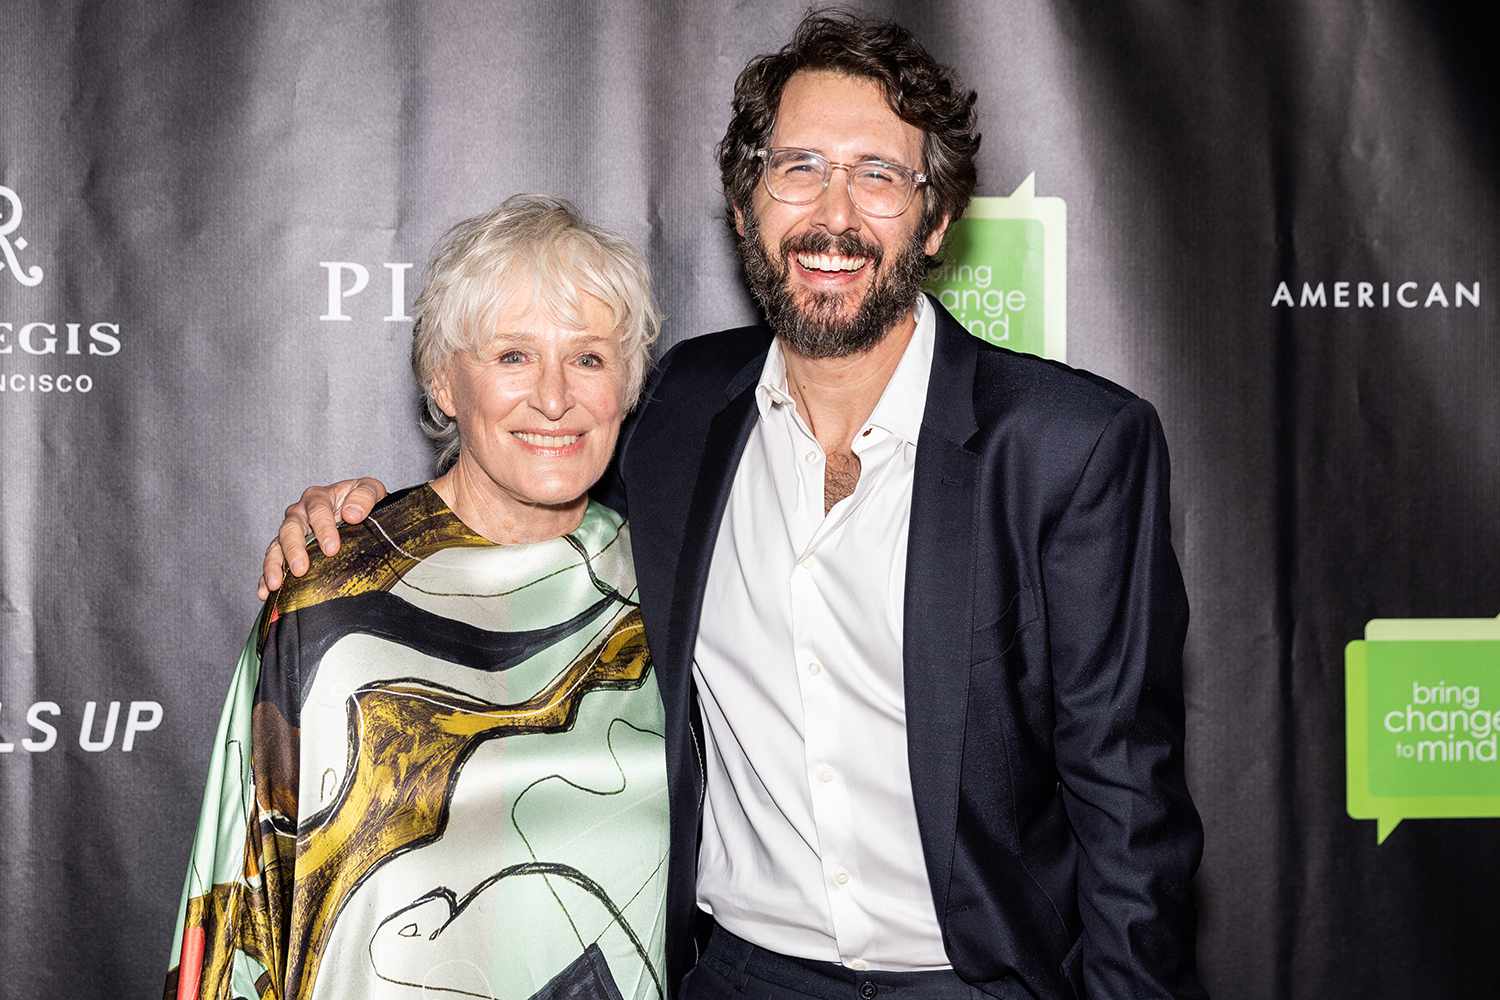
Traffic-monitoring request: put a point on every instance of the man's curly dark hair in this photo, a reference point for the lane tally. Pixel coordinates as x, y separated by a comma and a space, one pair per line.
920, 91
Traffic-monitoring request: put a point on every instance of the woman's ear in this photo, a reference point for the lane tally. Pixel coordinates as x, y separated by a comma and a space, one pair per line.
442, 392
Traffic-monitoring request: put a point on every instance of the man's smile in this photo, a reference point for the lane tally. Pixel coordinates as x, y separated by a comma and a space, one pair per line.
830, 262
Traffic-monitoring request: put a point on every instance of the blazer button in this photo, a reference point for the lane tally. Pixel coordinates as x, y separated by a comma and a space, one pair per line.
867, 990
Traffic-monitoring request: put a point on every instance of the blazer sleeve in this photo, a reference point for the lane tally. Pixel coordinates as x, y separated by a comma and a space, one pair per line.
1117, 617
611, 490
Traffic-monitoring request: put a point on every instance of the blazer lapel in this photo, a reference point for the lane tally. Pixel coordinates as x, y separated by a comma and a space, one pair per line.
939, 602
727, 433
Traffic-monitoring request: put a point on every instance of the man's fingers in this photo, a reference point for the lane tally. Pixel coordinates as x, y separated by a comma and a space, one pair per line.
292, 538
318, 512
317, 506
271, 571
359, 497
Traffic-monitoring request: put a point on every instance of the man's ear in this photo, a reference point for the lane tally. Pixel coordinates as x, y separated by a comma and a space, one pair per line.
739, 221
934, 241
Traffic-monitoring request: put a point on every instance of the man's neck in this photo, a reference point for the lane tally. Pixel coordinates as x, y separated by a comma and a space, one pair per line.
837, 395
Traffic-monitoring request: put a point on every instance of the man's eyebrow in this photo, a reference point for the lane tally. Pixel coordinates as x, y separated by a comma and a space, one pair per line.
882, 157
860, 158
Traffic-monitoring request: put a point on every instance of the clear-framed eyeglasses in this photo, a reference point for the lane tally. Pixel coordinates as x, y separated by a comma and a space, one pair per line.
877, 188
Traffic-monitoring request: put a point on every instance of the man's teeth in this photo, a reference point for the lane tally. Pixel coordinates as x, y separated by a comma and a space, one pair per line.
546, 440
826, 262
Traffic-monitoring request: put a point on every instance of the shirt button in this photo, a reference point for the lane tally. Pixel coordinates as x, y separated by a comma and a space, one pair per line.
815, 668
867, 989
825, 774
842, 878
811, 457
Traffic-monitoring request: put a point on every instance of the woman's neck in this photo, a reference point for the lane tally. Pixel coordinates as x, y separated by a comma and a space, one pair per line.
498, 515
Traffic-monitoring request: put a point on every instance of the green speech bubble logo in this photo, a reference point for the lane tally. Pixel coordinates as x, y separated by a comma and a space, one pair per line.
1422, 726
1004, 276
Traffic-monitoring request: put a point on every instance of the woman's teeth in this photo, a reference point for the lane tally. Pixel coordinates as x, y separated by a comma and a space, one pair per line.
546, 440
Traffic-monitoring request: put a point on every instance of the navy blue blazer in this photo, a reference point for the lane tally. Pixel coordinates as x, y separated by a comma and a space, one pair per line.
1045, 616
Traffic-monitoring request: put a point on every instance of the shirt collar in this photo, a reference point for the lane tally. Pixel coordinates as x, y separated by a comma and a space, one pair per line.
771, 390
900, 407
899, 411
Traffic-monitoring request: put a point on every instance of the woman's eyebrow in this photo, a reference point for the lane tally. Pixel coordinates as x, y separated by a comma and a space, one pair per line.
590, 338
506, 340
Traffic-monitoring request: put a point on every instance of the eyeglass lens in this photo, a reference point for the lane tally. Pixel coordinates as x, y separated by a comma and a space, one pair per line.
798, 178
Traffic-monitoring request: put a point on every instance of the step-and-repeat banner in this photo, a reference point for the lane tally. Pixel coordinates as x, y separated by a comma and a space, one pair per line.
1275, 221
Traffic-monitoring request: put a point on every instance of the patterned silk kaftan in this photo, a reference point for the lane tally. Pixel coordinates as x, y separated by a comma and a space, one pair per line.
439, 773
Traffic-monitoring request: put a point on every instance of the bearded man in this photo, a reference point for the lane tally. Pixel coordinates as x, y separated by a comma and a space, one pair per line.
912, 597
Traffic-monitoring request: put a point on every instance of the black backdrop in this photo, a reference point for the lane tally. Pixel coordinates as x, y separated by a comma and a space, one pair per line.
186, 168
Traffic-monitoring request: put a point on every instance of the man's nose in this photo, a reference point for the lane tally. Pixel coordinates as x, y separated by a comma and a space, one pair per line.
834, 210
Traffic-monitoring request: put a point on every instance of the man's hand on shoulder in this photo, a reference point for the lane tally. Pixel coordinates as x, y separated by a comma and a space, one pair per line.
318, 513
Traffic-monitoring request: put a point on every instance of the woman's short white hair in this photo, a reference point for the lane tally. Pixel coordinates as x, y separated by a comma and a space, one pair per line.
530, 240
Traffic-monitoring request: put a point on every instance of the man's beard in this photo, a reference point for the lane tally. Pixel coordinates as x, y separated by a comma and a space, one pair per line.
819, 330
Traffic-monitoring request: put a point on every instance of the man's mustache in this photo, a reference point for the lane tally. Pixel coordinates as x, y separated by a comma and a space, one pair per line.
844, 245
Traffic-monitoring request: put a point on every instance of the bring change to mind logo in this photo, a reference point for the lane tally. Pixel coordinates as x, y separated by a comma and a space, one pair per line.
1004, 271
1422, 727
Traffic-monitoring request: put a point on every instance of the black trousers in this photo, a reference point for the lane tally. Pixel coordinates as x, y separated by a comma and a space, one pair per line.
732, 968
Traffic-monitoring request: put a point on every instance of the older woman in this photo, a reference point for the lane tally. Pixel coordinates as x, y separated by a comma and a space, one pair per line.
440, 765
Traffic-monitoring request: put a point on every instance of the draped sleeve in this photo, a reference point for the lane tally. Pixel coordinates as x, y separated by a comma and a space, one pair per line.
233, 920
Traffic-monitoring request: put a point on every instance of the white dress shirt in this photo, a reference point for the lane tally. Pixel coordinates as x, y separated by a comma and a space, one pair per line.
810, 844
